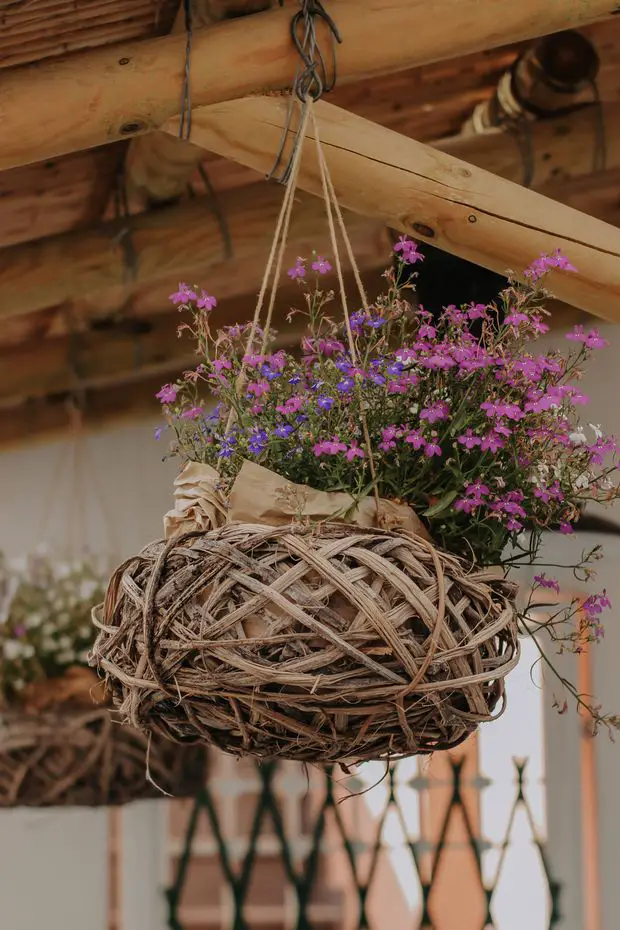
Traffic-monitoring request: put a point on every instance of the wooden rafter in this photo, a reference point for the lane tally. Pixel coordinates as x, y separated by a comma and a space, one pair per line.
118, 92
429, 195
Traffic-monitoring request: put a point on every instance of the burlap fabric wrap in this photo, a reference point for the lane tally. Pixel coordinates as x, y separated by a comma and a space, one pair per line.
62, 748
275, 636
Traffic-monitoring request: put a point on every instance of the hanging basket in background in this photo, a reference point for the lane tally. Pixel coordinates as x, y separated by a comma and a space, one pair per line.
83, 758
320, 642
59, 742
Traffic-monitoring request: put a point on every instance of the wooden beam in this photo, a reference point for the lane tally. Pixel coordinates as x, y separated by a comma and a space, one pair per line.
118, 92
429, 195
168, 244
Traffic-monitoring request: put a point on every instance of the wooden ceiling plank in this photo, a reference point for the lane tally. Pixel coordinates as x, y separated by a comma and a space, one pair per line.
429, 195
99, 96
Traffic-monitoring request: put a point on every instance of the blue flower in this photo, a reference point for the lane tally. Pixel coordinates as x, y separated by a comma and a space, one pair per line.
376, 323
283, 431
269, 373
345, 385
344, 366
227, 446
295, 379
159, 430
258, 441
377, 379
396, 368
325, 402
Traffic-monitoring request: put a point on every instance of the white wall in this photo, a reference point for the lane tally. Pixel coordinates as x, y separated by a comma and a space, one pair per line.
53, 864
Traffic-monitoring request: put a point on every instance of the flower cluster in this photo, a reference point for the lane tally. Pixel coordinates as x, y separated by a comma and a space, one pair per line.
45, 623
479, 434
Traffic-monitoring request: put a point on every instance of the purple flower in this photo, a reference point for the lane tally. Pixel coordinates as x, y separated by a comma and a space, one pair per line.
227, 446
321, 265
354, 452
566, 528
469, 440
408, 251
516, 318
395, 368
325, 402
435, 412
220, 364
329, 447
491, 443
292, 405
20, 631
283, 431
345, 386
427, 332
545, 263
192, 413
206, 302
168, 394
543, 582
298, 270
415, 439
183, 295
591, 340
258, 441
158, 431
258, 388
432, 448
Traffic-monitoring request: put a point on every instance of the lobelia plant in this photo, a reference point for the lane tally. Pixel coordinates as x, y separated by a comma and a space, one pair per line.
480, 435
45, 626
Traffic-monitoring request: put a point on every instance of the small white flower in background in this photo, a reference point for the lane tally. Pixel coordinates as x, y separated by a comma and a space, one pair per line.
86, 631
88, 589
33, 621
48, 628
596, 429
63, 570
578, 438
49, 645
12, 650
83, 656
64, 642
27, 650
65, 657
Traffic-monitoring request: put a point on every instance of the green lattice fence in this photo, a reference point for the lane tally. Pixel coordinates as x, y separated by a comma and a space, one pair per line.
334, 849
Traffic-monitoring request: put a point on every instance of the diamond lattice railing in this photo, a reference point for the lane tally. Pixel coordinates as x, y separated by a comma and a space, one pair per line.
317, 850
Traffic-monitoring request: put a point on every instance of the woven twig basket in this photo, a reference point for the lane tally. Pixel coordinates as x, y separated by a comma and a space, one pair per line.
323, 644
83, 758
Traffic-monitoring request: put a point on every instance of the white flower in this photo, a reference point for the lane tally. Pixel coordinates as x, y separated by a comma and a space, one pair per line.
596, 429
83, 656
27, 650
64, 642
49, 645
48, 628
87, 590
582, 481
63, 570
578, 438
12, 650
32, 621
414, 409
65, 657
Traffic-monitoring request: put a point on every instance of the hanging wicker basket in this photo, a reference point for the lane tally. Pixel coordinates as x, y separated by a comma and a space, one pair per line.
76, 757
325, 643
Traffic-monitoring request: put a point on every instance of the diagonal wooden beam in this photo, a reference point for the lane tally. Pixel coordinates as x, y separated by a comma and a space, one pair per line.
429, 195
96, 97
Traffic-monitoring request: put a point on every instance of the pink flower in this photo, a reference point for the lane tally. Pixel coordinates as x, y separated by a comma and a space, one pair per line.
466, 504
427, 332
545, 263
408, 251
292, 405
321, 265
206, 302
516, 318
591, 340
256, 409
435, 412
415, 439
354, 452
192, 414
221, 363
298, 270
543, 582
491, 443
259, 388
431, 449
329, 447
469, 440
183, 295
168, 394
513, 525
566, 529
253, 360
